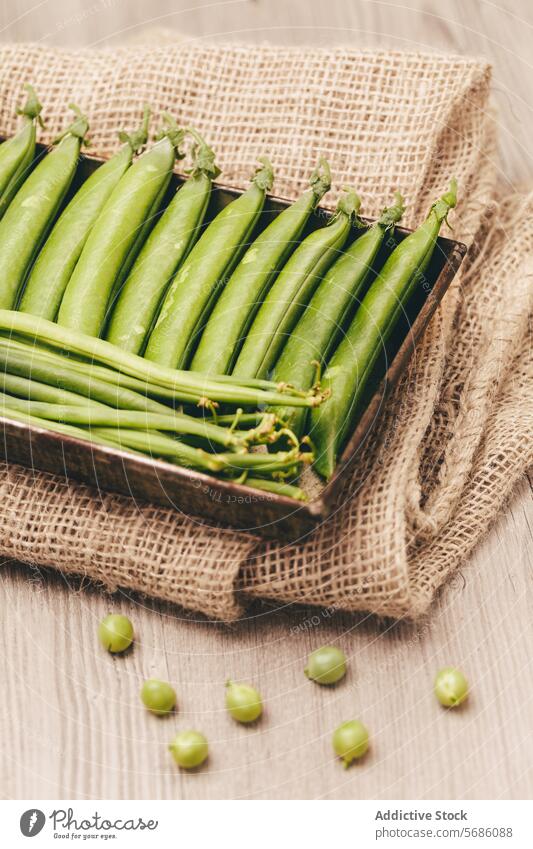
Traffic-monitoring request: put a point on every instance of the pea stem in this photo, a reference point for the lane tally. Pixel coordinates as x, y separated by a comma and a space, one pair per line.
97, 382
56, 427
78, 128
43, 332
94, 414
277, 487
203, 156
158, 445
138, 138
32, 108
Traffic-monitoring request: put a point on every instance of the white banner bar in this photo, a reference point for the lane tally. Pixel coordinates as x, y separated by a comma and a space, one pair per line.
264, 825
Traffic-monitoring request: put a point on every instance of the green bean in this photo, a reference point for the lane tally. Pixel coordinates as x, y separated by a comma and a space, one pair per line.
45, 333
20, 378
61, 429
197, 284
243, 419
234, 311
117, 237
11, 408
97, 415
278, 488
317, 332
56, 262
265, 463
166, 248
97, 382
66, 374
351, 365
18, 152
34, 390
291, 292
158, 445
34, 208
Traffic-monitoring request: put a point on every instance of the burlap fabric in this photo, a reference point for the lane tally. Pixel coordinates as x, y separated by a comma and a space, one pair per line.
456, 436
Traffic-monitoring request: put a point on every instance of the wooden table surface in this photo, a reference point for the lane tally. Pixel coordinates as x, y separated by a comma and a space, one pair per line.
71, 723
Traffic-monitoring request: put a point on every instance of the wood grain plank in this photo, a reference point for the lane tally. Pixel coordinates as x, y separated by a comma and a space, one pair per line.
74, 725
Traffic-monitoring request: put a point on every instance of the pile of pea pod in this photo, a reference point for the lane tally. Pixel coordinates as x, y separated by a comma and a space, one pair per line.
217, 345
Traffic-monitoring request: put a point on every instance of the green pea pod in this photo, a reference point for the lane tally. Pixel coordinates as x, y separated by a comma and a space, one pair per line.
34, 390
235, 309
117, 237
91, 413
34, 208
65, 376
292, 291
351, 365
57, 427
316, 334
193, 291
167, 246
151, 377
18, 152
56, 262
277, 487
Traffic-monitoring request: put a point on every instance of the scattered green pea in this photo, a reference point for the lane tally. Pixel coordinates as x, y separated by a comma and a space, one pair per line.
115, 632
350, 741
326, 665
243, 702
451, 687
189, 749
158, 696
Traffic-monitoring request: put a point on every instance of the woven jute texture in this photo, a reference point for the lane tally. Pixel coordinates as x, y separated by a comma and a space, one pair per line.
456, 435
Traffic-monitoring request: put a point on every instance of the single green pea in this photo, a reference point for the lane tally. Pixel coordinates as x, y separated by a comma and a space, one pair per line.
326, 665
158, 696
350, 741
115, 632
451, 687
189, 749
243, 702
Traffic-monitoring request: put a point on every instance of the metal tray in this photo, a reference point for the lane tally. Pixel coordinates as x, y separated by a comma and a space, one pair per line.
208, 498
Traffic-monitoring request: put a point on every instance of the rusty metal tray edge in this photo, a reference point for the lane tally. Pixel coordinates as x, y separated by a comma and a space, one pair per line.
206, 498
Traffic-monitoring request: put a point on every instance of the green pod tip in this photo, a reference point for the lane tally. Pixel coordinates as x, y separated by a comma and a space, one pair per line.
264, 176
203, 156
349, 203
320, 180
173, 132
392, 214
78, 128
32, 108
138, 138
446, 202
450, 197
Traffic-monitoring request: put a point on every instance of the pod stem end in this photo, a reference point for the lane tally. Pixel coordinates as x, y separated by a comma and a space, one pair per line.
173, 132
138, 138
349, 203
203, 156
78, 128
32, 108
320, 180
392, 214
448, 201
264, 176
